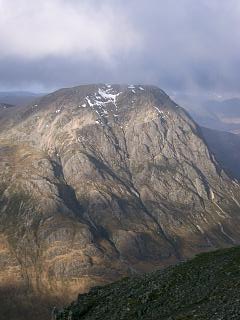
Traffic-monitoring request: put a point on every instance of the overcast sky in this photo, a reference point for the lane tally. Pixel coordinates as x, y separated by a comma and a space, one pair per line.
182, 45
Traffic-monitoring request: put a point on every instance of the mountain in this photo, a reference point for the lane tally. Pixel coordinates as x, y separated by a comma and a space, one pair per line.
206, 287
99, 182
226, 148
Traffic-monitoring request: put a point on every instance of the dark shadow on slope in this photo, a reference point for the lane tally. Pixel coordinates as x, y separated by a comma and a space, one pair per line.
19, 304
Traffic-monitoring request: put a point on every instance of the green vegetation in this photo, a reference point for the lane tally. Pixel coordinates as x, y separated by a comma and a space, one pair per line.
207, 287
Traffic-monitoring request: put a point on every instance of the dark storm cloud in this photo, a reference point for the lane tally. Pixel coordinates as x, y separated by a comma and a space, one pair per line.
177, 44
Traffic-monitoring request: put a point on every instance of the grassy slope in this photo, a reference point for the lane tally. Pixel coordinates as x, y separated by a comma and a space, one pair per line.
207, 287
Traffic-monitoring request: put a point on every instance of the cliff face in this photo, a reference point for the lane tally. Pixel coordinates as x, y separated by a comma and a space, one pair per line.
101, 181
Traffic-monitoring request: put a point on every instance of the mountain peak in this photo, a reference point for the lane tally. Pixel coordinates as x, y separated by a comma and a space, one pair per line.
102, 181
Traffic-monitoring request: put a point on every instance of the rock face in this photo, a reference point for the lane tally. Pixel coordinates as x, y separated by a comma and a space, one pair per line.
99, 182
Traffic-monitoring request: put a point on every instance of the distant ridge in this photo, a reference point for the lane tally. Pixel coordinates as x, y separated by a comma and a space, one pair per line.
18, 98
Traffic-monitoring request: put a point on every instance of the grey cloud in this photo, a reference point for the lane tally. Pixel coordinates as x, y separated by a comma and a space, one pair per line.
176, 44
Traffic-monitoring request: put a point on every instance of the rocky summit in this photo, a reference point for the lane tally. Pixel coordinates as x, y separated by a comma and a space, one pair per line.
98, 182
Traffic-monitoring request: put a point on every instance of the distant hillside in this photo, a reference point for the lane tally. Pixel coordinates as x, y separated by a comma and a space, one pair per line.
222, 115
207, 287
219, 115
5, 105
226, 149
18, 98
227, 109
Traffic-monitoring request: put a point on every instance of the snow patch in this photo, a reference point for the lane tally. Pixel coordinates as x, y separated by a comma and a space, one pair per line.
212, 196
161, 113
100, 99
110, 97
200, 229
89, 102
158, 110
135, 192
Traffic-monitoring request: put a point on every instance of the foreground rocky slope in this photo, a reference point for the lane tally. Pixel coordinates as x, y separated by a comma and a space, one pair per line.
99, 182
206, 287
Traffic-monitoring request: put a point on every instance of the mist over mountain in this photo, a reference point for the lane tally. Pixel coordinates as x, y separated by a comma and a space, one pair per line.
183, 46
